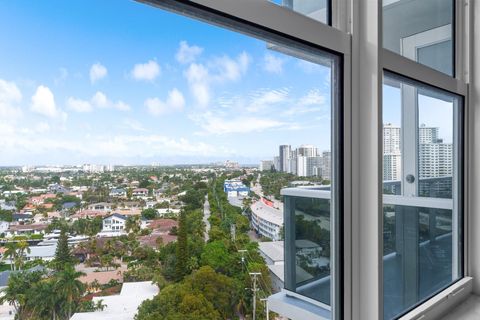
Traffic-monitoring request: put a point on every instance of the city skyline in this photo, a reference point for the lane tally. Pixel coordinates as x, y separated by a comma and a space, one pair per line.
305, 161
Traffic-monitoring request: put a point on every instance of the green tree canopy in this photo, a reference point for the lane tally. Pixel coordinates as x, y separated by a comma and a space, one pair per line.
63, 255
149, 214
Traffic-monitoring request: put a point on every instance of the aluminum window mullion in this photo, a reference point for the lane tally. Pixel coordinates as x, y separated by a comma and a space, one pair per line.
409, 145
457, 185
416, 71
262, 14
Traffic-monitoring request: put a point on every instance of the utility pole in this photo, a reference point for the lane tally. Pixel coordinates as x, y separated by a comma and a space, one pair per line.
243, 257
233, 231
254, 276
266, 308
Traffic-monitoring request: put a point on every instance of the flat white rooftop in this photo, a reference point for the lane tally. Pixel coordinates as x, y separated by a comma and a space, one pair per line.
268, 213
123, 306
273, 250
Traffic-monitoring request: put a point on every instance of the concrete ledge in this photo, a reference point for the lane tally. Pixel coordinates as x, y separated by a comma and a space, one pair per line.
295, 308
443, 302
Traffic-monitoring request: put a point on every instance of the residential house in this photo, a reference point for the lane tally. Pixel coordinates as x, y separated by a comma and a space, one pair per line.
7, 205
114, 223
69, 205
25, 229
118, 193
122, 306
88, 214
162, 225
45, 253
140, 192
166, 212
38, 200
57, 188
101, 206
22, 217
130, 205
4, 226
150, 204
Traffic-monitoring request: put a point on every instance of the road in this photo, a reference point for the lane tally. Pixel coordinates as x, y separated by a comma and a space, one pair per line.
257, 188
206, 215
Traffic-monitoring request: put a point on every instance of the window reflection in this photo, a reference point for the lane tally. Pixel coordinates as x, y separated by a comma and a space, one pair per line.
421, 30
312, 247
421, 211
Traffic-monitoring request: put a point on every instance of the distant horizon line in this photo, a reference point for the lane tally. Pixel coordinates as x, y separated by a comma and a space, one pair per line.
122, 165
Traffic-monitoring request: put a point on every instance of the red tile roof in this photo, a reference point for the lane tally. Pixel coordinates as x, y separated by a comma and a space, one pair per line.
89, 214
163, 225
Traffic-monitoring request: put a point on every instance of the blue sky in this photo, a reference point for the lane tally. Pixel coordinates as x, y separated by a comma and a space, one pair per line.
124, 83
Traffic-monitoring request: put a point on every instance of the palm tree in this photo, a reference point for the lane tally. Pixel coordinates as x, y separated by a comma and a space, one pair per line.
22, 247
69, 287
11, 254
18, 292
132, 225
44, 300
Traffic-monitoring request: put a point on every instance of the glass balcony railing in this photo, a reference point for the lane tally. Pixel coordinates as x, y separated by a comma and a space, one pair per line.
419, 254
420, 250
308, 242
428, 187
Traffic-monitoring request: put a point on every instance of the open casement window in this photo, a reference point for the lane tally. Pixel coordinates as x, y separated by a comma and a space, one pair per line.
421, 30
433, 48
422, 192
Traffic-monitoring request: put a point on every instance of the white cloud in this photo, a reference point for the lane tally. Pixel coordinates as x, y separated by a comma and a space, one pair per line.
21, 144
79, 105
198, 77
244, 124
97, 72
132, 124
273, 64
313, 101
175, 102
10, 96
43, 102
146, 71
42, 127
218, 71
100, 100
313, 97
122, 106
267, 97
228, 69
187, 54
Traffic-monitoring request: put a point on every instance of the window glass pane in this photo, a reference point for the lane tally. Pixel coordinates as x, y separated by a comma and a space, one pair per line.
435, 138
438, 56
308, 172
315, 9
421, 30
312, 248
181, 123
421, 206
